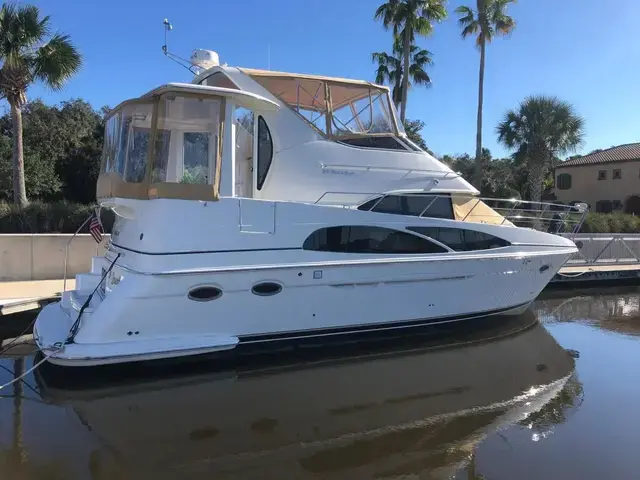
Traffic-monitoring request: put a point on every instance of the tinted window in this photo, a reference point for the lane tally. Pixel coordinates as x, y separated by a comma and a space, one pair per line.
265, 151
462, 240
367, 239
375, 142
431, 205
564, 181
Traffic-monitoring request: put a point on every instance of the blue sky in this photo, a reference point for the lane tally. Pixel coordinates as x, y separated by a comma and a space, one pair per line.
584, 51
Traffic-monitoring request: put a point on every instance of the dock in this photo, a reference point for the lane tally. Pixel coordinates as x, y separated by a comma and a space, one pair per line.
608, 274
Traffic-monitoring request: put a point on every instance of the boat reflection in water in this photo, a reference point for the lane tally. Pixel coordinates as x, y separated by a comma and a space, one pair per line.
383, 414
614, 310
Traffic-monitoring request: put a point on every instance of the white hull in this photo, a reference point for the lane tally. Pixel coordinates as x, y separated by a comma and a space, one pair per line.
149, 315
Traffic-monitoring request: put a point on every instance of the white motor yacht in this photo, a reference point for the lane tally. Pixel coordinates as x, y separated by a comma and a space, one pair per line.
344, 225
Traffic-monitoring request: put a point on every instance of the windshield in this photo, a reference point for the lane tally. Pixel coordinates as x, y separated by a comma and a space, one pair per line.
334, 108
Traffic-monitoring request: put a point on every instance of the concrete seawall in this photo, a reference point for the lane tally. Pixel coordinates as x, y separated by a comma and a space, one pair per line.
41, 256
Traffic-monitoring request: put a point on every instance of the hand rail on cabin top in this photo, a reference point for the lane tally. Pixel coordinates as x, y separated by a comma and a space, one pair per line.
545, 216
442, 174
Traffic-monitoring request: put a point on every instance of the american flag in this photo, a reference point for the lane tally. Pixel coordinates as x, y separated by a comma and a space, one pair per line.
95, 228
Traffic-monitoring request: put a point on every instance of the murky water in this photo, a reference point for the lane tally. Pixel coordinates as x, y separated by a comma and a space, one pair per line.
551, 394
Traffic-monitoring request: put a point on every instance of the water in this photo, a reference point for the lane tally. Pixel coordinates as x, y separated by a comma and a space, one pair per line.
550, 394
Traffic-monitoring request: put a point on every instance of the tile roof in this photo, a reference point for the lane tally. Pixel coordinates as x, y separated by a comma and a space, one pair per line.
630, 151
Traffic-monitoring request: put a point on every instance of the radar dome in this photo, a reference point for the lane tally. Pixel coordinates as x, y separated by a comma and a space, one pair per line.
204, 59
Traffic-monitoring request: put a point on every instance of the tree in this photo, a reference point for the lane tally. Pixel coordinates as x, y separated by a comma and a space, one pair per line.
501, 176
539, 131
390, 68
26, 59
63, 144
409, 18
487, 21
413, 128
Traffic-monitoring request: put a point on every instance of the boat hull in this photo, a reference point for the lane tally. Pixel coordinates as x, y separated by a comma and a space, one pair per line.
75, 354
149, 317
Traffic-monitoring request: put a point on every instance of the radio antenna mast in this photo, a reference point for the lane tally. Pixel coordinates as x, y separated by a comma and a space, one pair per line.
165, 48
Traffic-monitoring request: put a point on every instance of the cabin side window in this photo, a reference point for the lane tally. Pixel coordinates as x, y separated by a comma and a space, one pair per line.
434, 206
126, 144
461, 240
368, 239
265, 151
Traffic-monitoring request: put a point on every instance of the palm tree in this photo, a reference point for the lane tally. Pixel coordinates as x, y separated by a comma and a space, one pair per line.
27, 56
541, 129
390, 68
409, 18
489, 20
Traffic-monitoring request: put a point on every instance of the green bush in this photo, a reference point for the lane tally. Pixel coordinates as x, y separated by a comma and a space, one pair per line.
57, 217
66, 217
611, 223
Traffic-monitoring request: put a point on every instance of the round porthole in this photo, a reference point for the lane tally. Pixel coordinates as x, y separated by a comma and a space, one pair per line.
266, 289
205, 293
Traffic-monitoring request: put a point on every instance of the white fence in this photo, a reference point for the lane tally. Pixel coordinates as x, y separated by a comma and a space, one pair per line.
606, 249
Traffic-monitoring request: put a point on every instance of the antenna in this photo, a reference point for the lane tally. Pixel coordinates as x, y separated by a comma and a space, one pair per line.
167, 28
165, 48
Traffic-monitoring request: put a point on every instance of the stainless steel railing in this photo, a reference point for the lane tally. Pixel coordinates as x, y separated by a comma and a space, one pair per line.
550, 217
66, 251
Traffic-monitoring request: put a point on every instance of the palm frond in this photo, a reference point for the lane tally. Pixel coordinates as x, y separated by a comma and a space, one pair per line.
33, 28
421, 57
470, 29
382, 74
422, 26
465, 11
498, 19
20, 31
542, 123
433, 10
419, 76
386, 12
56, 61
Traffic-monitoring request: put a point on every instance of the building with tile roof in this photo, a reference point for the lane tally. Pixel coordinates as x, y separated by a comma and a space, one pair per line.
608, 180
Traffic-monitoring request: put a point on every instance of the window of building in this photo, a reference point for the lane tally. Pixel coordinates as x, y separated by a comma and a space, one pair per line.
617, 174
434, 206
265, 151
602, 174
460, 239
368, 239
604, 206
563, 181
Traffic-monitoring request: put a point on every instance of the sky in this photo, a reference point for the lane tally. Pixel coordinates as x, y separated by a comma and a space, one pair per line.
586, 52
